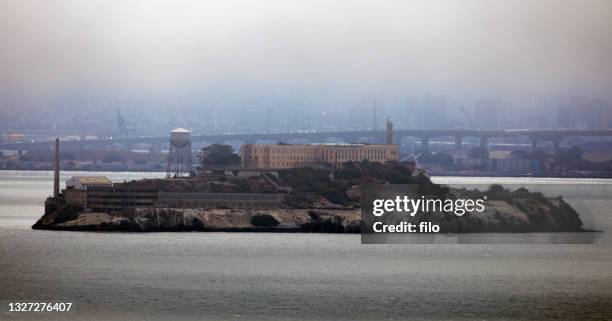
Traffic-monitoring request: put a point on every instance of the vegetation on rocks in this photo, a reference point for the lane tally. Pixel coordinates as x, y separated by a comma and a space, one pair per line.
217, 154
321, 201
67, 213
310, 184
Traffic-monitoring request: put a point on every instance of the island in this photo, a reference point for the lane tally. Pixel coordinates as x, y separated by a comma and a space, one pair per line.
297, 199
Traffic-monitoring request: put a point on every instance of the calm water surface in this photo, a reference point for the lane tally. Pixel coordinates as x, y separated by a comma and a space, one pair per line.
261, 276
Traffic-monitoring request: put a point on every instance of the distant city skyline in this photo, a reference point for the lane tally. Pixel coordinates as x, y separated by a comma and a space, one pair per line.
411, 112
218, 66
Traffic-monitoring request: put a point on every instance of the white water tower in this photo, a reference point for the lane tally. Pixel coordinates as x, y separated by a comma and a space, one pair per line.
179, 157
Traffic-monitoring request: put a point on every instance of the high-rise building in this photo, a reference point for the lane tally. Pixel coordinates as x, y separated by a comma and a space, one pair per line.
434, 112
569, 112
412, 113
578, 112
486, 113
606, 118
603, 113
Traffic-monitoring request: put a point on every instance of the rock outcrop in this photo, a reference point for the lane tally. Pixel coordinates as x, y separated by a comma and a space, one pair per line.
173, 219
514, 215
319, 201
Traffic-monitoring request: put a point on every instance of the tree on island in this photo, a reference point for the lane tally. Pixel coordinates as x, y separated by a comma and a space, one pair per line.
572, 155
571, 158
217, 155
440, 159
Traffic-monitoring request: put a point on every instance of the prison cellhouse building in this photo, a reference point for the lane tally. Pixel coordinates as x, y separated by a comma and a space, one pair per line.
280, 156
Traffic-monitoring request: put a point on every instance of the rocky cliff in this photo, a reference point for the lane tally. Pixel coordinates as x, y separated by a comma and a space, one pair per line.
320, 201
515, 215
234, 220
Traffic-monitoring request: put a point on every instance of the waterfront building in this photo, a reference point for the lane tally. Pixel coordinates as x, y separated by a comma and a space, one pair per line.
123, 197
85, 182
514, 165
77, 187
220, 200
119, 197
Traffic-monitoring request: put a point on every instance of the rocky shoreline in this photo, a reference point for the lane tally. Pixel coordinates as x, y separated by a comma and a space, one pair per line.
208, 220
512, 216
313, 200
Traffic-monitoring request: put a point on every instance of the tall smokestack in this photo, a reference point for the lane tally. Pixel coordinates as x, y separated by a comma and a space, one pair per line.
389, 132
56, 177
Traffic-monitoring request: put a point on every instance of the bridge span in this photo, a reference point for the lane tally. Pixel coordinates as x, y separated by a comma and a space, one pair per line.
556, 136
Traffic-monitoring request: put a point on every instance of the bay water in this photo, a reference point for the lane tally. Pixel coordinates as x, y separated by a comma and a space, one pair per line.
296, 276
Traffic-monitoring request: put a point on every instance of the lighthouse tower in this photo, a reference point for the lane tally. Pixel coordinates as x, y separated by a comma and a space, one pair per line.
389, 132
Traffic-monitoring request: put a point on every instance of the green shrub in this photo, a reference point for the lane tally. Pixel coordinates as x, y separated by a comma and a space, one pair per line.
496, 188
67, 213
308, 180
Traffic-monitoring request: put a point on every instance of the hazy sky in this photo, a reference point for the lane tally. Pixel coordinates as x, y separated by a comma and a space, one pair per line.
175, 49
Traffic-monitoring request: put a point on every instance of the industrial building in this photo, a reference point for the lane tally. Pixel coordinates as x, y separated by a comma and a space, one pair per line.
100, 194
513, 165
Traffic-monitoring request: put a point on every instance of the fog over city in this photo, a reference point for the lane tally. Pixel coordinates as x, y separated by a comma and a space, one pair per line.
227, 66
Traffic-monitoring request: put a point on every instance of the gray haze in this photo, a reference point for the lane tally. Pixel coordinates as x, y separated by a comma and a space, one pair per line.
232, 53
